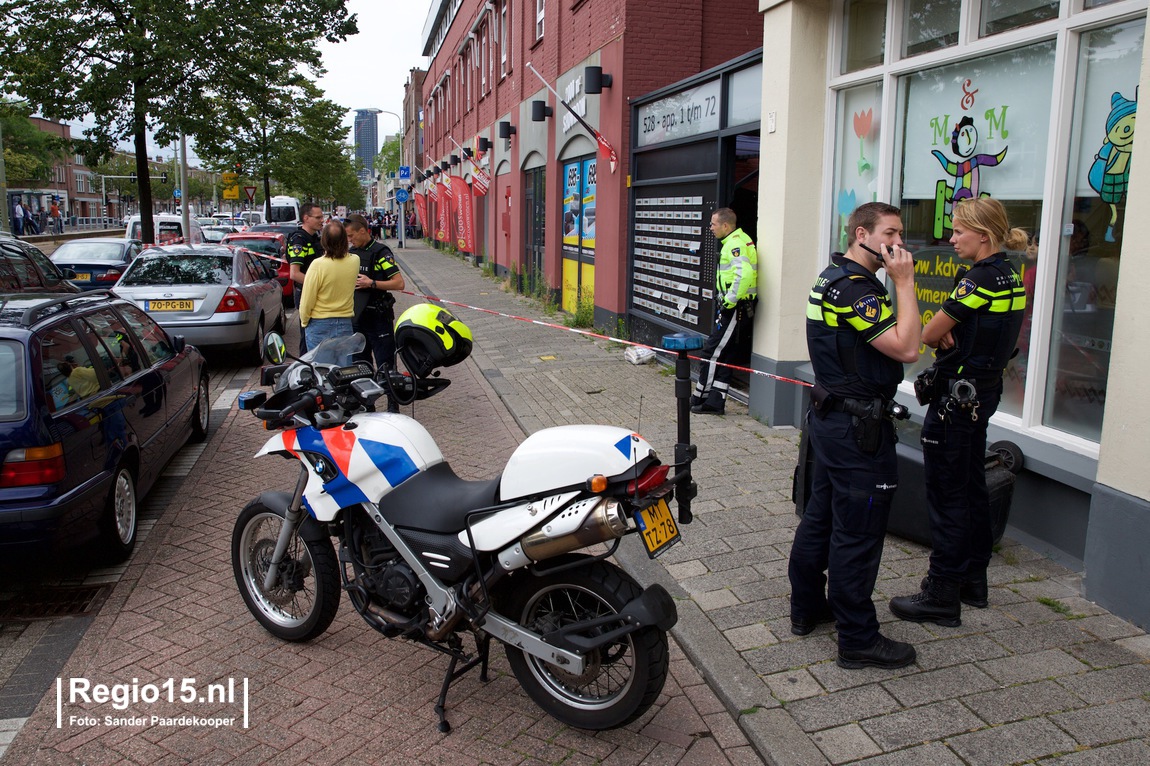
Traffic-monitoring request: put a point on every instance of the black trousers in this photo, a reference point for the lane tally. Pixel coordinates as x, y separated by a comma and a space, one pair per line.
728, 343
954, 461
378, 327
838, 545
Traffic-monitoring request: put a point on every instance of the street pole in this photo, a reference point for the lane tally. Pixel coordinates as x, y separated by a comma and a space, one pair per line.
186, 218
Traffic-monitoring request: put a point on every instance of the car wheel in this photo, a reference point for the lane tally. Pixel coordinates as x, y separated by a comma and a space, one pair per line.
120, 521
201, 412
255, 351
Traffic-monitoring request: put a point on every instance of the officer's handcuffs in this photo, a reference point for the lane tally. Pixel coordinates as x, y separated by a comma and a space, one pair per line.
963, 397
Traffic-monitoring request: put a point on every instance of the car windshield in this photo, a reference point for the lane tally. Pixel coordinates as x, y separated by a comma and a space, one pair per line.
262, 246
88, 251
180, 270
12, 382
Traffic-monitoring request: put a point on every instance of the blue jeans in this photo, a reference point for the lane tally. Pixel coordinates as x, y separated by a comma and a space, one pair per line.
319, 330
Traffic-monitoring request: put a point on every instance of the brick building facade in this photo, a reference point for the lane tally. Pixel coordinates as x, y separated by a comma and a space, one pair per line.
483, 62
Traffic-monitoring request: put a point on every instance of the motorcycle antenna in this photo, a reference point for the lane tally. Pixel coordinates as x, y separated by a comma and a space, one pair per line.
635, 449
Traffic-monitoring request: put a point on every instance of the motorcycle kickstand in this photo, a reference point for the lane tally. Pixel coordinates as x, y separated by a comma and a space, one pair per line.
483, 651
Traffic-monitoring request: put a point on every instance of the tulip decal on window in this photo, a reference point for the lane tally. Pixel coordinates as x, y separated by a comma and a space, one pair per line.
862, 130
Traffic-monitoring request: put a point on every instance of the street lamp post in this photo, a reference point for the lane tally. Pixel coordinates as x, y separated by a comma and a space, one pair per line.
401, 228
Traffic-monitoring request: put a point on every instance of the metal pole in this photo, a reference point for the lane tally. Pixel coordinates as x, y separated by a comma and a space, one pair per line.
186, 218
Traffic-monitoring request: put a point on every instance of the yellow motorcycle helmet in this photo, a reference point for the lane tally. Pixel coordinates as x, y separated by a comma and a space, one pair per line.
429, 336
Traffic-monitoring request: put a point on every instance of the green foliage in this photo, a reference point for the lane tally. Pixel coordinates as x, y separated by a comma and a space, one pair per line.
139, 66
29, 153
387, 161
1054, 605
584, 315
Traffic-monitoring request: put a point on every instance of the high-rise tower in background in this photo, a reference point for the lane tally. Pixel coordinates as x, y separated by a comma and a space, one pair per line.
366, 142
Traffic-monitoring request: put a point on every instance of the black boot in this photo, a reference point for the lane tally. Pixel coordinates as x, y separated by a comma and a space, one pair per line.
937, 602
714, 404
973, 591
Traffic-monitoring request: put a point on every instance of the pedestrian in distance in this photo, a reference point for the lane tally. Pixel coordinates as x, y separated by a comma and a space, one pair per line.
328, 297
18, 218
303, 247
857, 345
735, 296
976, 334
30, 224
56, 219
378, 276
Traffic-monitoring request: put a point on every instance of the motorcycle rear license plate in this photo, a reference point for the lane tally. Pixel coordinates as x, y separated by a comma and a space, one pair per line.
658, 528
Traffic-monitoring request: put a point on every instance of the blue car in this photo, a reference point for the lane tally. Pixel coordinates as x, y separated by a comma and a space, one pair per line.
95, 398
97, 262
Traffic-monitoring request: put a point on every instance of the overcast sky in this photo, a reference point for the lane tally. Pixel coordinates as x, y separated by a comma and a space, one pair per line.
367, 71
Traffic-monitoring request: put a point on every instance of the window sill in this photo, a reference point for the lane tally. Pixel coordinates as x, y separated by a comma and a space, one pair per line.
536, 44
577, 5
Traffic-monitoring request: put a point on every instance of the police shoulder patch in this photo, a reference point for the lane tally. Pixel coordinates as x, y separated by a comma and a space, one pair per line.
868, 308
735, 251
965, 288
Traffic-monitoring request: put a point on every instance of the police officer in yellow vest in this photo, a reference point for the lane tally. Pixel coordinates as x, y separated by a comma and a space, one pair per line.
735, 295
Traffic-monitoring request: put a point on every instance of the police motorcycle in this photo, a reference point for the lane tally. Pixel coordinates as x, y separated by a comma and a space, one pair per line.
427, 556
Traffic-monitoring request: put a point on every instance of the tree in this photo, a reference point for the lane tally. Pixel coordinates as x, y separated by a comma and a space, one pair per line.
387, 161
139, 65
29, 153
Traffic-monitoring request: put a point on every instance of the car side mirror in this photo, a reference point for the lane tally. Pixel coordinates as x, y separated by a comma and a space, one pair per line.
67, 273
274, 349
179, 343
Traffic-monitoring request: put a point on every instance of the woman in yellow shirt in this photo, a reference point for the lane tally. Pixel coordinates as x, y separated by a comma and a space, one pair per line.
328, 297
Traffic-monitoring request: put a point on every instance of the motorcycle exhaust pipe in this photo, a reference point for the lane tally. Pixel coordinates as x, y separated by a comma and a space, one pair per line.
606, 521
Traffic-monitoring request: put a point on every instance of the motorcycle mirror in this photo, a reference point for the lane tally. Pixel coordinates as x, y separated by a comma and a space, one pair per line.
274, 349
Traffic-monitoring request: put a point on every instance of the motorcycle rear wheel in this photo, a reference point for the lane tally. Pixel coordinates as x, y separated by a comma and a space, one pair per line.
620, 680
304, 601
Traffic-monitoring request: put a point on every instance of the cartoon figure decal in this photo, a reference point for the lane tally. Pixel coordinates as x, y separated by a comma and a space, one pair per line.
1110, 173
964, 170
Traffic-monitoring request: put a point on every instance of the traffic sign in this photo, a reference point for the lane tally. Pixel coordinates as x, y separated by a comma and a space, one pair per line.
176, 193
251, 192
405, 173
401, 196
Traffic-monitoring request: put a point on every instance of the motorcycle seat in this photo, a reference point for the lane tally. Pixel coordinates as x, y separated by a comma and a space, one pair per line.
436, 500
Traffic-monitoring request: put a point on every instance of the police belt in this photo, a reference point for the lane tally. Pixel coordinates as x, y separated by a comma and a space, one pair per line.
863, 408
981, 384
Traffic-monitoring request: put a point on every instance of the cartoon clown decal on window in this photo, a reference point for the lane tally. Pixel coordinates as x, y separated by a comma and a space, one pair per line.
1110, 173
964, 170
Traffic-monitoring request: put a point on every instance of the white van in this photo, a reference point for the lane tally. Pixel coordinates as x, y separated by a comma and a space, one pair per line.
251, 217
285, 210
169, 229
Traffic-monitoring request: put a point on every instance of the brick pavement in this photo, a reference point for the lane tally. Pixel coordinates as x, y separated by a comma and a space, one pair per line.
350, 695
1042, 676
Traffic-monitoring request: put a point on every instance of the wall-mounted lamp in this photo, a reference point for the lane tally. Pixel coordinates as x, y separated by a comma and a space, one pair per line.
468, 153
594, 81
445, 167
484, 144
433, 170
506, 130
540, 111
454, 160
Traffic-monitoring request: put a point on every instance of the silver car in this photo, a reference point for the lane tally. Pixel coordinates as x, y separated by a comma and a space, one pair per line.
212, 295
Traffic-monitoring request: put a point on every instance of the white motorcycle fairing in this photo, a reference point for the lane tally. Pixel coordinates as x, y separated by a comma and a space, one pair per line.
566, 456
374, 454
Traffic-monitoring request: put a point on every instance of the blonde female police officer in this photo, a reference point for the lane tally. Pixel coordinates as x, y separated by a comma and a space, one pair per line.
976, 333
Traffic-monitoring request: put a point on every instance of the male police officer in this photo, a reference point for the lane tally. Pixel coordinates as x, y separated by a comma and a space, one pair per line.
857, 348
378, 274
304, 247
735, 293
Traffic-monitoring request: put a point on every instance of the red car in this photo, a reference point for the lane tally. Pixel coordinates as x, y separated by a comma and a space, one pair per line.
269, 245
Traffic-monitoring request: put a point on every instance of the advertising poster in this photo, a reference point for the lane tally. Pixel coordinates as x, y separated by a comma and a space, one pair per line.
588, 228
572, 197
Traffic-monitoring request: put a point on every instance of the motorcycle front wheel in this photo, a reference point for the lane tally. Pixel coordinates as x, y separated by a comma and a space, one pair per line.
620, 680
303, 602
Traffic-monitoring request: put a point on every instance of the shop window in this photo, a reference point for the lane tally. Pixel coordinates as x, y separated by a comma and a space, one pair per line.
539, 6
864, 38
929, 25
1090, 240
856, 156
1002, 15
972, 129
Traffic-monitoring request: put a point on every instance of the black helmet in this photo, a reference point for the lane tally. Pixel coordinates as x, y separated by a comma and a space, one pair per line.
429, 336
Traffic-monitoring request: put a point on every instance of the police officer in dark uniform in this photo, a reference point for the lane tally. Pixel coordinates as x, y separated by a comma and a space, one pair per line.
858, 347
378, 274
303, 247
977, 333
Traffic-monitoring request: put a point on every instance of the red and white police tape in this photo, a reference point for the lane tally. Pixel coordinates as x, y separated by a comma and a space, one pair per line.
436, 299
